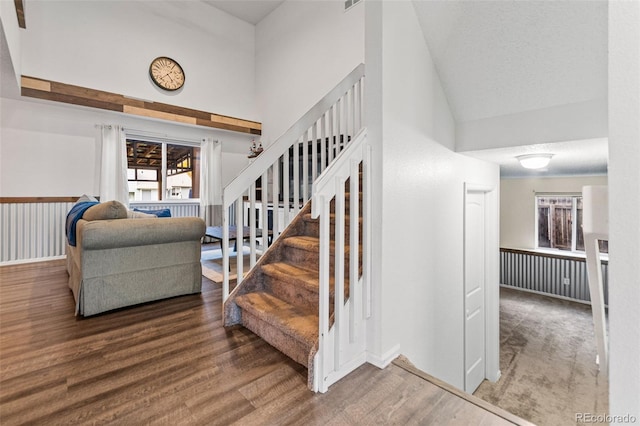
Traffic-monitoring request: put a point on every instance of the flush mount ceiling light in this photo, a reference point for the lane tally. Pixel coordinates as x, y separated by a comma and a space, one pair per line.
534, 161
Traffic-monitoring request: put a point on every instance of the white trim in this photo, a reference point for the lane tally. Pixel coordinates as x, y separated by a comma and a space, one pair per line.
495, 378
557, 252
385, 359
194, 201
144, 136
346, 369
492, 277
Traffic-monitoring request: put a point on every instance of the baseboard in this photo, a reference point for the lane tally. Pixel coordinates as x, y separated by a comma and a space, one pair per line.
35, 260
385, 359
496, 378
555, 296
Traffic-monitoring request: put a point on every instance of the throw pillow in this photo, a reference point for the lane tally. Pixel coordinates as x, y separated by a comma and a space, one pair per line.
86, 197
158, 213
131, 214
107, 210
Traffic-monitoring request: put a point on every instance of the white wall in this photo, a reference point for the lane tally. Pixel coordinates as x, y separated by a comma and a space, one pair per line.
419, 202
108, 45
303, 49
48, 149
583, 120
517, 205
624, 205
11, 32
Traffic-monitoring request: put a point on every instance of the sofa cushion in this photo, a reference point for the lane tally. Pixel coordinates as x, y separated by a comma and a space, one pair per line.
107, 210
157, 213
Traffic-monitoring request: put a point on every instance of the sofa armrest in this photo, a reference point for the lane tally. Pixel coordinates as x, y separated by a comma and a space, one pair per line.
107, 234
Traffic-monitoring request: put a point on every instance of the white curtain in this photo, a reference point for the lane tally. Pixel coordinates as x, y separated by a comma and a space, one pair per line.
112, 164
211, 182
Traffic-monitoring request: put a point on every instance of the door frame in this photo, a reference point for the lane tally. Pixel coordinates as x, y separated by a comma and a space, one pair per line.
491, 273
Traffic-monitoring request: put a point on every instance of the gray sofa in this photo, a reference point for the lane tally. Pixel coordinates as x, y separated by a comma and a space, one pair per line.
123, 262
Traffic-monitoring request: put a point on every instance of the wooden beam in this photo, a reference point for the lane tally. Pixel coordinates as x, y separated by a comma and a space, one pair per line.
77, 95
20, 12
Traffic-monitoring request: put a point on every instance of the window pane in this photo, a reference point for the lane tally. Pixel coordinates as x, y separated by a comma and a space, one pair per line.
604, 246
555, 222
543, 227
144, 161
145, 171
182, 172
580, 236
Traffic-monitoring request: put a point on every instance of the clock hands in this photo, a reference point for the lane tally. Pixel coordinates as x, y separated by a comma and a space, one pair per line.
167, 74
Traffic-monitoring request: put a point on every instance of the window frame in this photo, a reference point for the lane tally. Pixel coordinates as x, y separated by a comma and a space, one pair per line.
575, 196
163, 141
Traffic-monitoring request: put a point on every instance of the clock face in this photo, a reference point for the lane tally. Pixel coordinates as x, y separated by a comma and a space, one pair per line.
166, 73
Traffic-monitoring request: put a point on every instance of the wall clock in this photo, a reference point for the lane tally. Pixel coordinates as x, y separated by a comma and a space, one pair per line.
166, 73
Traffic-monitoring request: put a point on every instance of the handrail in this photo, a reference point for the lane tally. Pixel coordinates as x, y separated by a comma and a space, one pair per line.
325, 182
271, 154
303, 151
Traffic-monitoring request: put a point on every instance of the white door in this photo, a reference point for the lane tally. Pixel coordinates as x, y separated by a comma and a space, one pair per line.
474, 286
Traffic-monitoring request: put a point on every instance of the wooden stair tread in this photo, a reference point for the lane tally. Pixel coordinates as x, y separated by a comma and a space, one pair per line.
297, 322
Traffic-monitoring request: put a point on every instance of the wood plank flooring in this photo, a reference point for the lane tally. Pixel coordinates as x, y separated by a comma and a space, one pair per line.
172, 362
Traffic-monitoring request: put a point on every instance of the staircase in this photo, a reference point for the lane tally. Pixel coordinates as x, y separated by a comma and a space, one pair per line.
309, 293
279, 298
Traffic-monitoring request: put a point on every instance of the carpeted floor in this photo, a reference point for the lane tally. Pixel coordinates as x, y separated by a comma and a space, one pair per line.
547, 360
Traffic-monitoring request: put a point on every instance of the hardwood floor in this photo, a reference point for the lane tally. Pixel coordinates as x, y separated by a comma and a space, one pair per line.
172, 362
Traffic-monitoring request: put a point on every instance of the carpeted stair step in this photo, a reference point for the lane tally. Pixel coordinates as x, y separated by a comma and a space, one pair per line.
291, 329
304, 250
296, 285
312, 226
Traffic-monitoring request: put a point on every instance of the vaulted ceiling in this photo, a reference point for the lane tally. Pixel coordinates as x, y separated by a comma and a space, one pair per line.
502, 57
499, 57
496, 58
251, 11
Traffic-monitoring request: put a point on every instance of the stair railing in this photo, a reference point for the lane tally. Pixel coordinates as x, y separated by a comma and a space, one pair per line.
285, 171
342, 345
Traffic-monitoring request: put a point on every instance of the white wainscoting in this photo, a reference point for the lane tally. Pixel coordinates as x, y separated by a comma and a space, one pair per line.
35, 231
553, 275
32, 231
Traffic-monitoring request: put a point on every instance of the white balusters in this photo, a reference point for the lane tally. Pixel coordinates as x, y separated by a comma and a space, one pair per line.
314, 151
342, 345
323, 127
339, 254
252, 225
286, 175
305, 165
354, 242
275, 192
238, 245
296, 178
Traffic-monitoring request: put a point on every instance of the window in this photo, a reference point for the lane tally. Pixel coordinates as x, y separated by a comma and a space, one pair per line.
162, 170
559, 223
350, 3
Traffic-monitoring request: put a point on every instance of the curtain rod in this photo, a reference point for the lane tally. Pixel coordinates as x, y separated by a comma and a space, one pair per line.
133, 133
